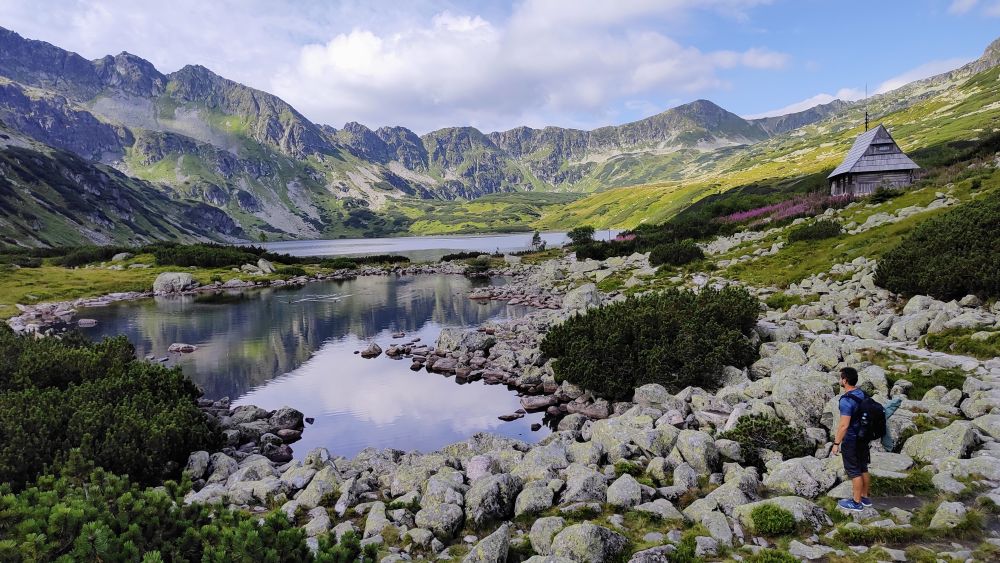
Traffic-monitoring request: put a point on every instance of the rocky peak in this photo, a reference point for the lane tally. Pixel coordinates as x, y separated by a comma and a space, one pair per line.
990, 58
269, 119
788, 122
405, 146
41, 64
363, 142
130, 74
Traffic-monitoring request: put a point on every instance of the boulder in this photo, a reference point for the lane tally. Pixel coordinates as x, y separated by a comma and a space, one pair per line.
625, 492
698, 449
197, 465
325, 481
265, 266
373, 350
491, 549
583, 484
481, 466
542, 532
173, 282
948, 515
805, 477
444, 520
953, 441
662, 509
533, 500
588, 543
286, 418
491, 499
581, 298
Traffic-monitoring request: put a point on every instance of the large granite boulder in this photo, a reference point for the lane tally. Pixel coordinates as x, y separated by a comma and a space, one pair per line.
491, 549
699, 450
173, 282
491, 499
588, 543
445, 520
953, 441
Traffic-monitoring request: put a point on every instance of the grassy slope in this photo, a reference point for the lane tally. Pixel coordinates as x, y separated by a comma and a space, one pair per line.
492, 213
54, 283
800, 259
968, 110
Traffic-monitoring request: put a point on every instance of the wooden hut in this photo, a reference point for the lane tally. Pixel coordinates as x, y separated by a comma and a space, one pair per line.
875, 161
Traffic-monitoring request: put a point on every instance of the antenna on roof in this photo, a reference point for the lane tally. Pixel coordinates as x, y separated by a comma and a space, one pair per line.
866, 106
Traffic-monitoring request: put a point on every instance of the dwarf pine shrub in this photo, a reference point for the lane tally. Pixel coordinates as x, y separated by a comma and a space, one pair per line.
772, 520
758, 431
948, 256
127, 416
815, 231
675, 338
93, 515
675, 253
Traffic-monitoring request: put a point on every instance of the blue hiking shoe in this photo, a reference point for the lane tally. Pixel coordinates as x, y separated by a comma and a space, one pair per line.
849, 504
866, 502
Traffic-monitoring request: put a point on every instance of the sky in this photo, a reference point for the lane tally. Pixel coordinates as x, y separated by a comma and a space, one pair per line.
496, 65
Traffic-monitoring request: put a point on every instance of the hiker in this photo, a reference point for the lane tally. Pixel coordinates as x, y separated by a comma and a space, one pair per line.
861, 421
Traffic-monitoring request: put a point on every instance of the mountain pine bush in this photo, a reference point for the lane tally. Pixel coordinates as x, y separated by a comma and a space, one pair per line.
815, 231
758, 431
674, 338
948, 256
675, 253
127, 416
83, 514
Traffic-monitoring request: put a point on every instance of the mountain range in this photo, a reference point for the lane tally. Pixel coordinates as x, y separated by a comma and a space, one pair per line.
116, 151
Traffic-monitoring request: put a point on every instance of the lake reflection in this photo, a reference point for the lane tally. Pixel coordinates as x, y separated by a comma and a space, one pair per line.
296, 346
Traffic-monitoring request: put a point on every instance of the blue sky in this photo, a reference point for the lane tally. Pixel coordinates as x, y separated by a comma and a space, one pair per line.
574, 63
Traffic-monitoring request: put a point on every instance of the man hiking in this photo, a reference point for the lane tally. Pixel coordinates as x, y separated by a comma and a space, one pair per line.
861, 420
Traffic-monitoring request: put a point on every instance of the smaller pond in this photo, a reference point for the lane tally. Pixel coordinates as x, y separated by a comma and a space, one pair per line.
296, 347
423, 249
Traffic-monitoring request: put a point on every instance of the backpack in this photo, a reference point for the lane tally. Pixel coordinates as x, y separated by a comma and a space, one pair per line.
868, 418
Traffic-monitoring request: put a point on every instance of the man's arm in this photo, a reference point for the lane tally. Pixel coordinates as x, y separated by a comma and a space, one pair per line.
845, 422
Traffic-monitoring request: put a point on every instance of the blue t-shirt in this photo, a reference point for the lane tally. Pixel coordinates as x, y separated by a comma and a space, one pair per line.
847, 408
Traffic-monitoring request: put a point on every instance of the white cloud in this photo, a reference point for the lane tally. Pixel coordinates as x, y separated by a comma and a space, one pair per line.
536, 62
845, 94
993, 10
959, 7
549, 59
925, 70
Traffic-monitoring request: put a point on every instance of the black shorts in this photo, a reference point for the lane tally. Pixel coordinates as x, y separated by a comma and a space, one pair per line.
857, 455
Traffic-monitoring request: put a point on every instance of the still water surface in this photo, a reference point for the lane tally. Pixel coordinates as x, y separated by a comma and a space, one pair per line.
427, 248
295, 347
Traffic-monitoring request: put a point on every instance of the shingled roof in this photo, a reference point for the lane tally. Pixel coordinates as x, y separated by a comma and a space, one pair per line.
860, 159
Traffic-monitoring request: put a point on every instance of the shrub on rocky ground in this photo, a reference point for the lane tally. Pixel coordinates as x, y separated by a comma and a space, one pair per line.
924, 382
784, 301
815, 231
127, 416
83, 514
290, 271
948, 256
969, 341
771, 556
675, 253
758, 431
771, 520
674, 338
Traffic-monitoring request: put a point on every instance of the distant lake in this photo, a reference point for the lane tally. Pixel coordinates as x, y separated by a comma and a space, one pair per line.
295, 347
423, 249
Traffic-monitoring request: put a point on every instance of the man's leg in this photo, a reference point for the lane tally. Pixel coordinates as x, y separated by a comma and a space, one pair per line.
858, 487
866, 487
